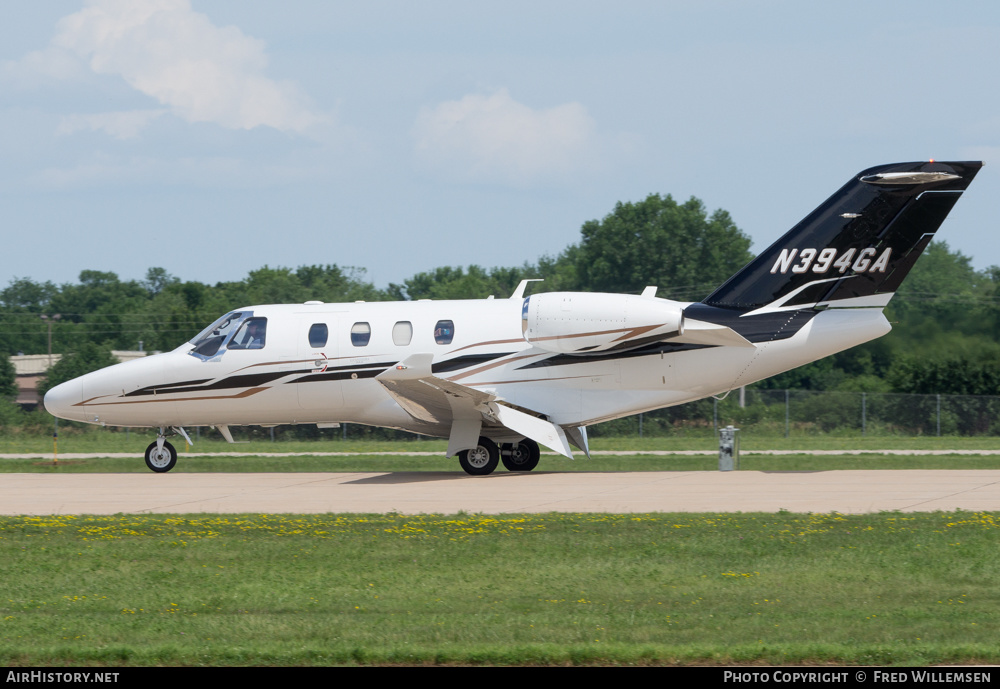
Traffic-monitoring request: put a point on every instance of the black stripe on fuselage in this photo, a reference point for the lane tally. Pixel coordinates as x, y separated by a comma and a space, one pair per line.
466, 361
337, 374
648, 350
249, 380
165, 387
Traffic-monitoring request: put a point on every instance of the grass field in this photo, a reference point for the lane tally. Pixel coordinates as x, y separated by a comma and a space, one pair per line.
549, 589
555, 589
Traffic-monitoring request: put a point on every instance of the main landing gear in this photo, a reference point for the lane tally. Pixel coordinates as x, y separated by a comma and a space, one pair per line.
522, 456
483, 459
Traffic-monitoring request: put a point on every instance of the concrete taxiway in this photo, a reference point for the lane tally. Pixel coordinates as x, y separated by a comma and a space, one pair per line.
847, 492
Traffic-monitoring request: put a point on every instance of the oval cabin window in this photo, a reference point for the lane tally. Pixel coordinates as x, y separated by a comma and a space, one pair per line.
361, 333
444, 331
318, 335
402, 333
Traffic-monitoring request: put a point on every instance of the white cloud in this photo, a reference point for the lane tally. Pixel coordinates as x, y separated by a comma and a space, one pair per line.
496, 138
121, 125
166, 50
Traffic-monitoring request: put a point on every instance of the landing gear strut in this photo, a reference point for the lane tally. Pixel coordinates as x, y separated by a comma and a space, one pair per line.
522, 456
480, 460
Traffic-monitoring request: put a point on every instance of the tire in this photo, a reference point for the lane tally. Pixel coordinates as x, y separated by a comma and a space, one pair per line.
161, 461
522, 456
481, 460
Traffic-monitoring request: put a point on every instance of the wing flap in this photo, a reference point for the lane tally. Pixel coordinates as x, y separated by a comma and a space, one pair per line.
427, 397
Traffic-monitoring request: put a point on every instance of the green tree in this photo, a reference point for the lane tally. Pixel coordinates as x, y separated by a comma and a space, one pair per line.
8, 378
678, 247
157, 279
21, 302
458, 283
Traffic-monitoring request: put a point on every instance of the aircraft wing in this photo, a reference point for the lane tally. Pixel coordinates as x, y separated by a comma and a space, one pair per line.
430, 398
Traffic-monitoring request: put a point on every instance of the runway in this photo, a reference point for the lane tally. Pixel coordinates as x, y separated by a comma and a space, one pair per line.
846, 492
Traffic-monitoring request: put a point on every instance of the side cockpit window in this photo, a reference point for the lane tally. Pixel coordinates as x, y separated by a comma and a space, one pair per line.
361, 334
318, 335
208, 342
251, 335
444, 332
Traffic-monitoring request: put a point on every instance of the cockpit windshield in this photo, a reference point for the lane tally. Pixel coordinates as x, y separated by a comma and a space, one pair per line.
208, 342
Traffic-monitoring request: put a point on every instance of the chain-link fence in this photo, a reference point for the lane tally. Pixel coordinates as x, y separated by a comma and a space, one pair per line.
804, 412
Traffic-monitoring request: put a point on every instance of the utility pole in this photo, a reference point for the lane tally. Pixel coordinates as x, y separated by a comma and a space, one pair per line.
49, 320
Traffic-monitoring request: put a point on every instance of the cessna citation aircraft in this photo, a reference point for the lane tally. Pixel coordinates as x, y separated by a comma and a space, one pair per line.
499, 377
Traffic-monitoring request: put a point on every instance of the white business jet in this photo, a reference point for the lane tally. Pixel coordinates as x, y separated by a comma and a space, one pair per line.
499, 377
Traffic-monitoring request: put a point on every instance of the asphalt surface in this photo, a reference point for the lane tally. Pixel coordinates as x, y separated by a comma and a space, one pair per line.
847, 492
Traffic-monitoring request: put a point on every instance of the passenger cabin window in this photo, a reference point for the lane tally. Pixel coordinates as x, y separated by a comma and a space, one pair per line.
361, 333
402, 333
251, 335
318, 335
444, 331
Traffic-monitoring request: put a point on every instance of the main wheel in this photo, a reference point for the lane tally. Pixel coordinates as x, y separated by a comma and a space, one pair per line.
480, 460
161, 460
522, 456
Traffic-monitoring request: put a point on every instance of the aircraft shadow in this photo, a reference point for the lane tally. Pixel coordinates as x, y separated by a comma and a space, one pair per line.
427, 476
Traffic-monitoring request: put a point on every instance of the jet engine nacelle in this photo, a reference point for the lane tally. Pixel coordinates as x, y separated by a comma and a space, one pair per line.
587, 322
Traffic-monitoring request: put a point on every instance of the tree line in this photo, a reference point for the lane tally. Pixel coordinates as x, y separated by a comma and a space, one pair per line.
946, 316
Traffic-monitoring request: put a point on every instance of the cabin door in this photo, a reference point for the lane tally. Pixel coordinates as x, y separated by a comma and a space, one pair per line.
321, 395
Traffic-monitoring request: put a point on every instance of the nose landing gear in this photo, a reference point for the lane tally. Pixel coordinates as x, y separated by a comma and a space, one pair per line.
161, 455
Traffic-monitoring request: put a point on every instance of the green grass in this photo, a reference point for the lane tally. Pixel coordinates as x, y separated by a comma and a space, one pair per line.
557, 589
94, 439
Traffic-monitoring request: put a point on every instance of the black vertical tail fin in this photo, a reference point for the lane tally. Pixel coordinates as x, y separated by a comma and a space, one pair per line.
856, 248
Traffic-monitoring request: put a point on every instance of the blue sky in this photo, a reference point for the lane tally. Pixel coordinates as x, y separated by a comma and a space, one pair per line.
212, 138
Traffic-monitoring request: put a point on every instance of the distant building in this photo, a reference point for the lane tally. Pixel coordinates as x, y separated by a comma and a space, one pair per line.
31, 368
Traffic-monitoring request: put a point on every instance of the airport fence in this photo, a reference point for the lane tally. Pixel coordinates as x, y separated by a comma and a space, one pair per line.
773, 413
807, 412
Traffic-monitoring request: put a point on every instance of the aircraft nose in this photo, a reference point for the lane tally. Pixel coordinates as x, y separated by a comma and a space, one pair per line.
60, 400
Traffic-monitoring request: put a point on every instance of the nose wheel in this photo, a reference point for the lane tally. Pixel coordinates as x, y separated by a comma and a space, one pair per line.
161, 456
